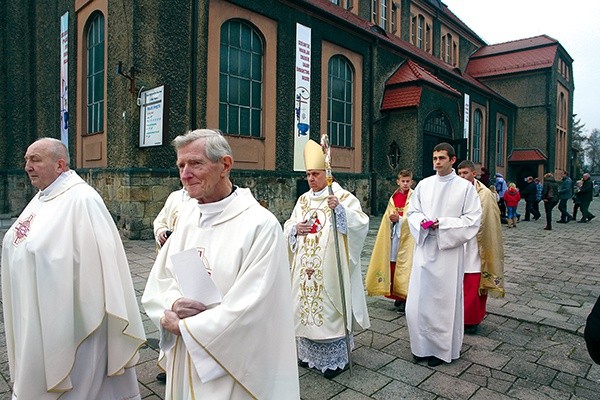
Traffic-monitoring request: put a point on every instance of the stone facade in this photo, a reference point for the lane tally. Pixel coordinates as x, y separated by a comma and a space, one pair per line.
134, 197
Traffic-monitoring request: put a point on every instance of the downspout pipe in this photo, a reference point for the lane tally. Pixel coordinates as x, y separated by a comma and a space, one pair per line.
194, 67
373, 174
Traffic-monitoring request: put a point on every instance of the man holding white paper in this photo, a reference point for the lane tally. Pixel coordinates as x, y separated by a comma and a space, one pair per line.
242, 347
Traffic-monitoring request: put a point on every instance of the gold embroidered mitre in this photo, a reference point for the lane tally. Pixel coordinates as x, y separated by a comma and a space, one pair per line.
314, 158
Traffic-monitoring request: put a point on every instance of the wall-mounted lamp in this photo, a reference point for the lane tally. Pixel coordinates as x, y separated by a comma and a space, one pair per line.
130, 76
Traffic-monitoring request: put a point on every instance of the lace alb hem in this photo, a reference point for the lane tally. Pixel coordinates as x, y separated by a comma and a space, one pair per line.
324, 355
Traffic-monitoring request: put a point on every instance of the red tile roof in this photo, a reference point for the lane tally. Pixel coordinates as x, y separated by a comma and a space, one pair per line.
410, 71
521, 155
401, 97
512, 57
404, 87
514, 45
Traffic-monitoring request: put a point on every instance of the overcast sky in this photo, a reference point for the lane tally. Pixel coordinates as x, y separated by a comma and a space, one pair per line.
575, 24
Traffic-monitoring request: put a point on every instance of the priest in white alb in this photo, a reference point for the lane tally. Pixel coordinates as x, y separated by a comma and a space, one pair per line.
319, 319
72, 323
444, 213
241, 347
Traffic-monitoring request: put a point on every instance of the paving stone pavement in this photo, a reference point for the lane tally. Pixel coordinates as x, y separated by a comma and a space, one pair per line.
529, 346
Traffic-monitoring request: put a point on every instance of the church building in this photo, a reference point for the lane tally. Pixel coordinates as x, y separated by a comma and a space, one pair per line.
386, 80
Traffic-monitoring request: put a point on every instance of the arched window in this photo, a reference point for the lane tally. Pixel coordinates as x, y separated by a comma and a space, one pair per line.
437, 124
240, 79
420, 31
437, 129
340, 101
500, 134
562, 111
95, 74
449, 49
477, 129
383, 18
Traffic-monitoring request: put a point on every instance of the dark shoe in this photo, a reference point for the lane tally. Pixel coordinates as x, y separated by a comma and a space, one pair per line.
400, 305
536, 218
434, 361
582, 221
591, 217
332, 373
302, 364
547, 228
471, 329
526, 219
161, 377
561, 222
570, 218
419, 359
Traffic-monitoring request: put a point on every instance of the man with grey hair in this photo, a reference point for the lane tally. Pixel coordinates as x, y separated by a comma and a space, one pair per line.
73, 327
586, 195
241, 347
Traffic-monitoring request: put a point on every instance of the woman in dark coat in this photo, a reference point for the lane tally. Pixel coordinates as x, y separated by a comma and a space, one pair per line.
550, 198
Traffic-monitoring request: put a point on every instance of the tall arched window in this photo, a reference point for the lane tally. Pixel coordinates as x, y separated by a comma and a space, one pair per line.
95, 74
420, 31
240, 79
339, 101
562, 111
477, 128
393, 18
500, 135
383, 17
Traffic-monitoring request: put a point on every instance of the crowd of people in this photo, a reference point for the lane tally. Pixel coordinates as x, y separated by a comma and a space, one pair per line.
241, 301
550, 193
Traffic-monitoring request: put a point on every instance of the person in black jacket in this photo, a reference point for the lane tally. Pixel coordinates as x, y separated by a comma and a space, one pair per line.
576, 202
586, 194
591, 333
550, 198
529, 194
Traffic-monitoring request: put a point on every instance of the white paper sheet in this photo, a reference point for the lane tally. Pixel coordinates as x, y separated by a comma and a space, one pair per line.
193, 278
196, 284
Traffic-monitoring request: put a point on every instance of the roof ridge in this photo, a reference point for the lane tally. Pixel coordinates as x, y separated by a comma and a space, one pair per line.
415, 69
524, 39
